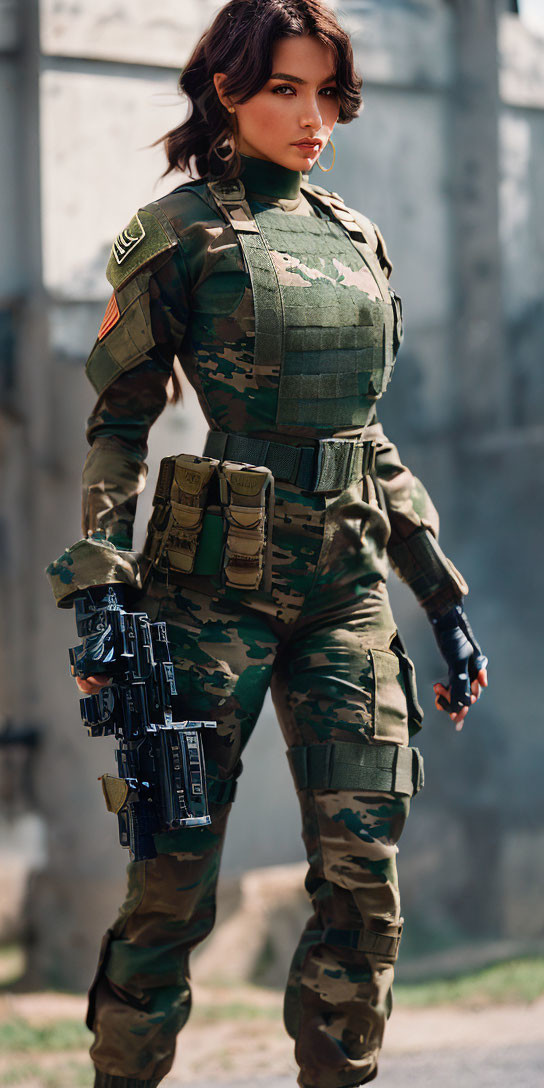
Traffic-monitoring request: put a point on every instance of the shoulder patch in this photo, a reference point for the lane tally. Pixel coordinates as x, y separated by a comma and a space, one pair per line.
128, 239
147, 236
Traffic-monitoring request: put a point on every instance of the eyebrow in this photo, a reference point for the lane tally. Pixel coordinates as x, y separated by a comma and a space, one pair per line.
297, 79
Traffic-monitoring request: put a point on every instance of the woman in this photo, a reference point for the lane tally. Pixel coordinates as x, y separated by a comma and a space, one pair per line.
268, 556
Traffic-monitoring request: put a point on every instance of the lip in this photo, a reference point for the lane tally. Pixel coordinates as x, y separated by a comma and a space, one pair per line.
309, 145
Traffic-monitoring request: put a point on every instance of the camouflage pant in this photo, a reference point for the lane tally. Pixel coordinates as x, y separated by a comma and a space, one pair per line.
322, 642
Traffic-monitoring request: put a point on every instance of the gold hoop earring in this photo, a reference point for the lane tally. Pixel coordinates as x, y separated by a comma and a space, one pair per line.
231, 150
231, 109
327, 170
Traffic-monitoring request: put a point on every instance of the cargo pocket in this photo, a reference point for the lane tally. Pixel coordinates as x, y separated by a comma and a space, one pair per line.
101, 966
390, 718
415, 711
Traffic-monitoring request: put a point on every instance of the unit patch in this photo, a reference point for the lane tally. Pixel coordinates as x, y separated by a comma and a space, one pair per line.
128, 239
111, 317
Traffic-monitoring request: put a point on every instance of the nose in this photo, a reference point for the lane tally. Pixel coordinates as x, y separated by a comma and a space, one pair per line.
311, 113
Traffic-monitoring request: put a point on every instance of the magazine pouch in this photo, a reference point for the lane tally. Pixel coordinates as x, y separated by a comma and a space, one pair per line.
247, 495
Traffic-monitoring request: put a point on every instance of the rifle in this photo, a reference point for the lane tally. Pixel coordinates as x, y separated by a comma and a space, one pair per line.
161, 783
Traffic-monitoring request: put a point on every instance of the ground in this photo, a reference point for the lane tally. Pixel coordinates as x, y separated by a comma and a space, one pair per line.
484, 1030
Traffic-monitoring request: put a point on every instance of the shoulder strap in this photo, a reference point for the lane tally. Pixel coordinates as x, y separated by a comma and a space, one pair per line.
361, 230
230, 198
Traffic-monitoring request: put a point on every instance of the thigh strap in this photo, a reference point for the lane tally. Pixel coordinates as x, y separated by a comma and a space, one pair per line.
383, 944
222, 791
387, 768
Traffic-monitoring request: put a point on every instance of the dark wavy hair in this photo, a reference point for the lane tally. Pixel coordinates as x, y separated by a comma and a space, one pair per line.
240, 43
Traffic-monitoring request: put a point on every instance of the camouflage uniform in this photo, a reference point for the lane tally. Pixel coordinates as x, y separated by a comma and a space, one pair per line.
276, 300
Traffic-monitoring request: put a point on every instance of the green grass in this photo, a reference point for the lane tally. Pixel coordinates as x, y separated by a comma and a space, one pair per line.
18, 1036
514, 981
235, 1010
65, 1075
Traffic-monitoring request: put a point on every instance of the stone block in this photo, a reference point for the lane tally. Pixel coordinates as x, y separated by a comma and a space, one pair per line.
402, 44
12, 263
98, 168
522, 882
522, 236
521, 60
132, 31
522, 207
9, 26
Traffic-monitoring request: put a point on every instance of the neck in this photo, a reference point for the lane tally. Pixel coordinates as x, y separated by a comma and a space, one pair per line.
269, 178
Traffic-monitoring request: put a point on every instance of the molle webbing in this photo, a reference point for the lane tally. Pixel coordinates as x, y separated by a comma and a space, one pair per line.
331, 465
329, 337
336, 337
387, 768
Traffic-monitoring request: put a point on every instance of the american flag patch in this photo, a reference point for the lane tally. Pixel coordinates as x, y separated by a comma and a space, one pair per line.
111, 317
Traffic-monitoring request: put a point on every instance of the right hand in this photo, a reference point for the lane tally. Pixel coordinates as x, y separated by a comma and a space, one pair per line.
90, 685
467, 665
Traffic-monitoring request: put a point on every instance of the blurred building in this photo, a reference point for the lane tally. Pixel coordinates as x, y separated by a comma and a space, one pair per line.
448, 157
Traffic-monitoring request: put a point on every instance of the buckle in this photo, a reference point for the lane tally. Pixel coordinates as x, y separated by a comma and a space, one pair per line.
333, 463
340, 460
228, 192
369, 456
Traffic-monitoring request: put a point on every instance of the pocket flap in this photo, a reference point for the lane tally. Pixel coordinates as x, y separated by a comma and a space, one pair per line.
391, 709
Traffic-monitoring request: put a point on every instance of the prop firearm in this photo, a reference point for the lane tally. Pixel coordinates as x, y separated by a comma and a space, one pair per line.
161, 783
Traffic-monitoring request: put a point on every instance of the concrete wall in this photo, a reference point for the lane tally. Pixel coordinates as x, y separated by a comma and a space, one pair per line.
95, 84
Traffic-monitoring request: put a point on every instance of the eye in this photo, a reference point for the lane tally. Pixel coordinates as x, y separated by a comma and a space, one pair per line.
330, 92
283, 87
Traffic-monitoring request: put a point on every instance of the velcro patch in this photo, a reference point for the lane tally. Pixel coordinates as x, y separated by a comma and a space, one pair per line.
111, 317
148, 235
128, 239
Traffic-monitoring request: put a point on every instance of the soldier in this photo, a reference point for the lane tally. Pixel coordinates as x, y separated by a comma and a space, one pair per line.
268, 555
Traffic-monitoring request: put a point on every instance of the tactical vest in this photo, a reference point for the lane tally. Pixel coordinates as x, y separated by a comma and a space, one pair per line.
325, 317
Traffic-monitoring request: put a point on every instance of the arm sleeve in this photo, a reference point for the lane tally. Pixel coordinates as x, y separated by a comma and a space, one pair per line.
143, 342
414, 552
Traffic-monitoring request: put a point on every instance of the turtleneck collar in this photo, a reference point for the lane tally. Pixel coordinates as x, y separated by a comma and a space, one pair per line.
269, 178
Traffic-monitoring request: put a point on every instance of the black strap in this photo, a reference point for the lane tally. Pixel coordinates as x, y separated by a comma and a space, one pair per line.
384, 945
387, 768
222, 791
331, 465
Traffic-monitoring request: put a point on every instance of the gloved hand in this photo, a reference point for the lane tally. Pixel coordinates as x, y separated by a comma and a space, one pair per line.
91, 685
467, 665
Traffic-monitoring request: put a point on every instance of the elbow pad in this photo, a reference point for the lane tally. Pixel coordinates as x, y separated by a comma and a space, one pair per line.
420, 562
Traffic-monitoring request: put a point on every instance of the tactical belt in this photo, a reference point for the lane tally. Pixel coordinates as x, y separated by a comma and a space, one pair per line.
332, 464
389, 768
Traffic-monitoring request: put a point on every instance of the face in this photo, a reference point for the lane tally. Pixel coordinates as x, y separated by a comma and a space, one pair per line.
290, 120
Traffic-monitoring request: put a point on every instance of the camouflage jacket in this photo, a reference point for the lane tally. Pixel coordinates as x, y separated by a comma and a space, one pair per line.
182, 287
